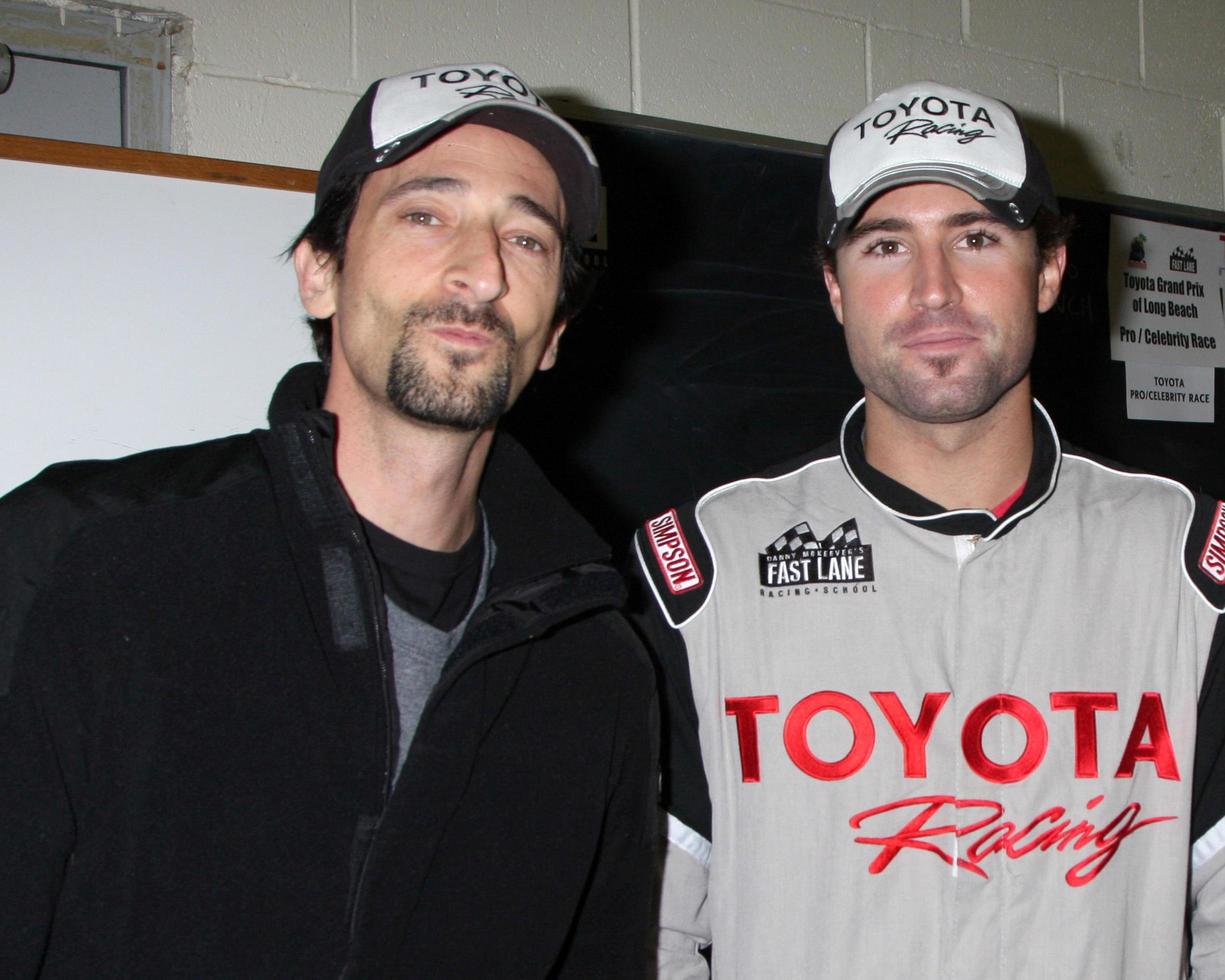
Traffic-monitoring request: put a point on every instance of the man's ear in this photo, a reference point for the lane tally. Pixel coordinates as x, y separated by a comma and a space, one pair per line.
835, 291
549, 357
316, 280
1050, 275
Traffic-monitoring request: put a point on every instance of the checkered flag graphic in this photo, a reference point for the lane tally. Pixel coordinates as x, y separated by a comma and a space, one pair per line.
801, 538
843, 536
793, 540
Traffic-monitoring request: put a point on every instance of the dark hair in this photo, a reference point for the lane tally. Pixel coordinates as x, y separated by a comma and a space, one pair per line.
576, 281
328, 230
1050, 230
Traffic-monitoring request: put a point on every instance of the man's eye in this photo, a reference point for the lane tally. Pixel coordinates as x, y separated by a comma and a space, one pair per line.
528, 242
979, 239
886, 246
421, 218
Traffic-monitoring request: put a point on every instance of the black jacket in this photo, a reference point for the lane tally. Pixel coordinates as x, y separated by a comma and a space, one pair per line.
196, 733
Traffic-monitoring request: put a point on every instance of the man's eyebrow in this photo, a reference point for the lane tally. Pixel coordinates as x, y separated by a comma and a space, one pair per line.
451, 185
959, 219
537, 210
963, 219
866, 228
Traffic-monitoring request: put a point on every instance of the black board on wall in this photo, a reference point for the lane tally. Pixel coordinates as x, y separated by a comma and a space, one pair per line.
1084, 390
709, 351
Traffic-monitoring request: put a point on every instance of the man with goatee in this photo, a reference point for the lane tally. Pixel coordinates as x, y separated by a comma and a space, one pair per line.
349, 696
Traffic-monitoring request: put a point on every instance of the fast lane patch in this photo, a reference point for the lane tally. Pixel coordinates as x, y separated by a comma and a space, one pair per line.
798, 558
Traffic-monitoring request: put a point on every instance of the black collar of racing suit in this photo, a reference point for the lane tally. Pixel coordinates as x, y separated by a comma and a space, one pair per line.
916, 509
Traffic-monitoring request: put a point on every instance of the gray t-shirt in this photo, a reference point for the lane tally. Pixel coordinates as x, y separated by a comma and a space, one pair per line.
420, 650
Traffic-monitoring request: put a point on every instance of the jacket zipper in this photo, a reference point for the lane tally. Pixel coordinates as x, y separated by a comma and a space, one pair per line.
373, 595
492, 647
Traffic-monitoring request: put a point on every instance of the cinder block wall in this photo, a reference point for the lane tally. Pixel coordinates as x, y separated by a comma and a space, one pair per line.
1125, 96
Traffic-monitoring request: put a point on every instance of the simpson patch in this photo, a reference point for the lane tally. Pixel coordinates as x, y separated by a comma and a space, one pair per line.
673, 554
1212, 558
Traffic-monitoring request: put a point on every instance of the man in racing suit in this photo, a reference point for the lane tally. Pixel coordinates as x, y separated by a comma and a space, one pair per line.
349, 696
943, 700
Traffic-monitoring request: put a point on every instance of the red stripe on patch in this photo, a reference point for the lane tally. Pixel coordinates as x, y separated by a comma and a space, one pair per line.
1212, 560
672, 553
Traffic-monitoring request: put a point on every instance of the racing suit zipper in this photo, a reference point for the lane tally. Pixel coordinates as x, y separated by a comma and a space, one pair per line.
964, 545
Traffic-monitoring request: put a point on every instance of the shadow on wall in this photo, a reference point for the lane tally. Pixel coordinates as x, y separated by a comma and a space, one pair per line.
1068, 159
708, 350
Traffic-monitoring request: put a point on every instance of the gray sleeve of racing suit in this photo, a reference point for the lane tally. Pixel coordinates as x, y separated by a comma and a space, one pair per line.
684, 928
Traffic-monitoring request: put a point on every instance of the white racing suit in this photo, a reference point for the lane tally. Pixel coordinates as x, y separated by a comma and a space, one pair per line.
903, 741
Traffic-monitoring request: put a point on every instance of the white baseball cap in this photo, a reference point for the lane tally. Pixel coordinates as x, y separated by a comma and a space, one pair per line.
926, 132
399, 115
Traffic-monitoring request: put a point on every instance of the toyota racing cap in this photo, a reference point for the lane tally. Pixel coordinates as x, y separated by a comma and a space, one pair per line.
399, 115
927, 132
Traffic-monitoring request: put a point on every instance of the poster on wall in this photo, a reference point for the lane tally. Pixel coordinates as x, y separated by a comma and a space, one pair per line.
1167, 319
